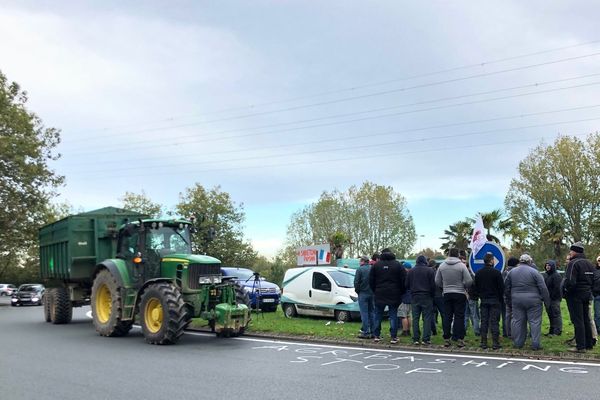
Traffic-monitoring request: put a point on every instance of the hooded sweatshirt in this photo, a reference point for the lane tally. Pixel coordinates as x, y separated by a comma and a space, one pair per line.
453, 277
387, 280
553, 281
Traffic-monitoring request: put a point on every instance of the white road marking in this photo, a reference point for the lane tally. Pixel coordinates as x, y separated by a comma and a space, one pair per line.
421, 353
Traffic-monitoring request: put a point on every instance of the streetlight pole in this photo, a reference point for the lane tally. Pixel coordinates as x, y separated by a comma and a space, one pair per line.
421, 242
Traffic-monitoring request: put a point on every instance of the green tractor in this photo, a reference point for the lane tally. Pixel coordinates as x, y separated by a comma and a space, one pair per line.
142, 269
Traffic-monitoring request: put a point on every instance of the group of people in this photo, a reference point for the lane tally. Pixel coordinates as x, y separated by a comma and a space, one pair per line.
516, 296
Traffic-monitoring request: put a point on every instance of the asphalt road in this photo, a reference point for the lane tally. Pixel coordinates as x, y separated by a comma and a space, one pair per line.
45, 361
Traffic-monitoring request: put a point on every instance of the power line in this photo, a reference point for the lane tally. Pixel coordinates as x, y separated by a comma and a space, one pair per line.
371, 135
354, 88
346, 148
345, 159
424, 85
120, 149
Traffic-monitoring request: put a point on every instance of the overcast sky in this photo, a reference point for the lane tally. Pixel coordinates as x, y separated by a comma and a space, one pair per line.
278, 101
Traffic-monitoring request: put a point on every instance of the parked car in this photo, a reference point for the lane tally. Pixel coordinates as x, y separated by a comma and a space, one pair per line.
28, 294
256, 286
6, 289
320, 291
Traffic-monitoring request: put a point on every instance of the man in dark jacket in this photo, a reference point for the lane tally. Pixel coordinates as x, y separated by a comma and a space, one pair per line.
366, 300
387, 280
488, 286
578, 290
553, 282
421, 283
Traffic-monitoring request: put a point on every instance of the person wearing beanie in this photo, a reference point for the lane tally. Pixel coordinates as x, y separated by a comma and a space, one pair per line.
421, 283
387, 279
507, 314
454, 279
526, 290
366, 300
553, 282
579, 279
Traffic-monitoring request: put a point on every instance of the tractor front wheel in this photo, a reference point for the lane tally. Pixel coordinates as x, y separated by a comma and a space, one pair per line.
163, 314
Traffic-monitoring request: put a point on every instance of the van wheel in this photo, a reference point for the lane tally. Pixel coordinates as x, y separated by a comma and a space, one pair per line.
289, 310
342, 315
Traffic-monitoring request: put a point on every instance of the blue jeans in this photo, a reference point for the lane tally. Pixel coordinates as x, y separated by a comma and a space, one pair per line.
366, 303
597, 313
472, 314
393, 314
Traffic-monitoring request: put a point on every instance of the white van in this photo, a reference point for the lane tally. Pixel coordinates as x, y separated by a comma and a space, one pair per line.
320, 291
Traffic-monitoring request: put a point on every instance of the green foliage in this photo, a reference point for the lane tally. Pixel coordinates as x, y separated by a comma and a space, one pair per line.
558, 183
367, 219
142, 204
27, 182
214, 210
458, 235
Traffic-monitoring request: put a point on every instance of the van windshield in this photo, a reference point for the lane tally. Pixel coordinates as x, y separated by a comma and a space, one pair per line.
343, 279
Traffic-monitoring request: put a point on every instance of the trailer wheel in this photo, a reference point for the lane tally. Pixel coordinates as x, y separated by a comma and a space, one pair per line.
48, 304
61, 310
107, 305
163, 314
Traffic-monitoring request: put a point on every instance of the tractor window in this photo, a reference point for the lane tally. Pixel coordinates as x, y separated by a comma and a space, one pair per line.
168, 239
321, 282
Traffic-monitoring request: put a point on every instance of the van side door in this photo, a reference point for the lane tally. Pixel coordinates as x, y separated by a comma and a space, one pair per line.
321, 295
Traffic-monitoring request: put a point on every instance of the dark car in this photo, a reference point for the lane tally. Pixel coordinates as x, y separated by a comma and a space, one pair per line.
256, 286
28, 294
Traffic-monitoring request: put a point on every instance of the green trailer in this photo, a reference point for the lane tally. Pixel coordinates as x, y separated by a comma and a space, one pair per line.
129, 267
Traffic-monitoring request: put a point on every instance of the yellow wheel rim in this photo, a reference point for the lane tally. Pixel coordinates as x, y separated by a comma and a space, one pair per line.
153, 315
103, 304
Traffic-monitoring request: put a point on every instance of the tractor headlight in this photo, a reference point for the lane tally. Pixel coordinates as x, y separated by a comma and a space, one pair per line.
203, 280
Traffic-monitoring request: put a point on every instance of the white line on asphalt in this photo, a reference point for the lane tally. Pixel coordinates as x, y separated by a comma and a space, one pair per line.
421, 353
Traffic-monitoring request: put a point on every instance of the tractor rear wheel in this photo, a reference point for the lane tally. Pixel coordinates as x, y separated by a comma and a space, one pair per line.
61, 310
163, 314
107, 306
47, 304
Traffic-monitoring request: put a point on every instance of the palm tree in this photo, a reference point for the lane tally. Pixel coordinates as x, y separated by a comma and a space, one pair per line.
492, 220
517, 235
458, 235
554, 231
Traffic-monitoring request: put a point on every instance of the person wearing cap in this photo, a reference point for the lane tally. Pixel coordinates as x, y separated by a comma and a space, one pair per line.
366, 301
387, 280
579, 279
421, 283
526, 290
454, 279
488, 286
507, 318
553, 282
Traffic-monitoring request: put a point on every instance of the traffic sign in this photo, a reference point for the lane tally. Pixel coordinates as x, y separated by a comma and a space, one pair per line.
476, 260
